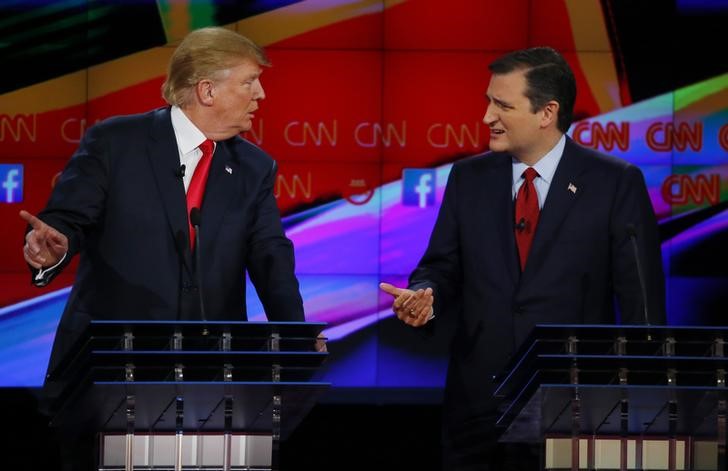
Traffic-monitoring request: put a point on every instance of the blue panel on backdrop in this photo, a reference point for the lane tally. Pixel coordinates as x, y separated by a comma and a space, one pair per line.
11, 183
702, 6
27, 331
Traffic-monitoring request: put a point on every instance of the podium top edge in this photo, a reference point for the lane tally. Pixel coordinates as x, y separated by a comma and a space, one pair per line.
214, 328
633, 387
630, 330
634, 327
205, 323
549, 333
261, 384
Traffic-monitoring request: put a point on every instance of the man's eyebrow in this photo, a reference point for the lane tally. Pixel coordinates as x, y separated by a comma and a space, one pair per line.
499, 102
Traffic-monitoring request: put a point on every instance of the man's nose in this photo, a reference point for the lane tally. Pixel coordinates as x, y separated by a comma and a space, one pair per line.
260, 93
489, 117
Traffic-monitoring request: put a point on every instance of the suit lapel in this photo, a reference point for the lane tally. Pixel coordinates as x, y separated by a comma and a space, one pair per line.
565, 188
164, 159
499, 191
219, 191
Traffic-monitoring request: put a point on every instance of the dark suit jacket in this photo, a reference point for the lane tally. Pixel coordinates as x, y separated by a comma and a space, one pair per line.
580, 259
122, 206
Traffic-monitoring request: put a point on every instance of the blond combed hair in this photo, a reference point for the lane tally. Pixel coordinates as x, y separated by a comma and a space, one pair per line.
205, 54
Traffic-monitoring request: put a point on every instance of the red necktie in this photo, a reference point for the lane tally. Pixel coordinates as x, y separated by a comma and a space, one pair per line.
526, 215
196, 190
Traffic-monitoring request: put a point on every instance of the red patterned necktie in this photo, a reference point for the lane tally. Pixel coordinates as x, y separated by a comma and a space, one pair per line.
526, 215
196, 190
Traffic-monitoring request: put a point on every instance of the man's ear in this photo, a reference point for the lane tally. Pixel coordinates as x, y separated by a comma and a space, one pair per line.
205, 92
550, 114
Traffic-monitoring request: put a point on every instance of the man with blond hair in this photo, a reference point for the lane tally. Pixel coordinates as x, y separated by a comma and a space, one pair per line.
124, 200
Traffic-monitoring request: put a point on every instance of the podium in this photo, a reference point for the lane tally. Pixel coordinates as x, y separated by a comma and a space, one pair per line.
619, 397
190, 395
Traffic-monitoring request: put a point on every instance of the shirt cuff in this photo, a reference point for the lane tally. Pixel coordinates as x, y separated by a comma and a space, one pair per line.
45, 275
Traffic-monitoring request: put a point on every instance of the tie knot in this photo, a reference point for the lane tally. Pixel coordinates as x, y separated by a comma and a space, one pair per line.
207, 147
529, 174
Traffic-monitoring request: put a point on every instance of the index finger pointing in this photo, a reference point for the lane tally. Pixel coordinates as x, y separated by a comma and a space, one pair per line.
391, 289
33, 221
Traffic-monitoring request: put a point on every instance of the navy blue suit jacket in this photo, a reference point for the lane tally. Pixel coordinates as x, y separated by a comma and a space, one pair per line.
580, 261
121, 203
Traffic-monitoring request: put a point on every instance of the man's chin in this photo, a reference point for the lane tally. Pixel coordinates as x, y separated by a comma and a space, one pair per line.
497, 146
245, 128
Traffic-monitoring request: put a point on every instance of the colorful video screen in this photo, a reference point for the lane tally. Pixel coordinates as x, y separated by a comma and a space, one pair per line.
369, 103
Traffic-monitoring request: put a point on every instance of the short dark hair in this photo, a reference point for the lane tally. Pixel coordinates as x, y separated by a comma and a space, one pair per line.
548, 77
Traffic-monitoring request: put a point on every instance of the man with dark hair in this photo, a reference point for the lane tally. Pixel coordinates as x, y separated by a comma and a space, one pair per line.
124, 200
548, 77
536, 231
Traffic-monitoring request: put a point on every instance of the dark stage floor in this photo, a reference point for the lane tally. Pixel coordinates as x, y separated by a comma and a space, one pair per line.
331, 437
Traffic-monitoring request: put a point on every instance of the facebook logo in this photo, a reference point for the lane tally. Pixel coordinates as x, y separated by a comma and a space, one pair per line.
418, 187
11, 183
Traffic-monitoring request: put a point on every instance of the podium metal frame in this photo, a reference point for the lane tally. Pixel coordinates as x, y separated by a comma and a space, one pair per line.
163, 377
621, 382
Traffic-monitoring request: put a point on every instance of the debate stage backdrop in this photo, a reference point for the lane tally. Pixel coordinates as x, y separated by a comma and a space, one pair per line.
368, 105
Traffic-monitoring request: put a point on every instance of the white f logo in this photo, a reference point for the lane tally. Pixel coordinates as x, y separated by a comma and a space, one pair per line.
423, 188
10, 184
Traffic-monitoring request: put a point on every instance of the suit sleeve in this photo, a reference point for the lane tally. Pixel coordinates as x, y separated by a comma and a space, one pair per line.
78, 199
271, 263
633, 208
440, 267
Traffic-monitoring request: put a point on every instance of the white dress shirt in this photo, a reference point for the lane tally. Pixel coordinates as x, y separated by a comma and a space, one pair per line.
189, 138
546, 167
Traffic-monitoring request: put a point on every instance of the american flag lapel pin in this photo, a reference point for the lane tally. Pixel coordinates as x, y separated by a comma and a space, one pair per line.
572, 188
229, 169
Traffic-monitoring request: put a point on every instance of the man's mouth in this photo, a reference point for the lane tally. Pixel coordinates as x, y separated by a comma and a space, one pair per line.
497, 132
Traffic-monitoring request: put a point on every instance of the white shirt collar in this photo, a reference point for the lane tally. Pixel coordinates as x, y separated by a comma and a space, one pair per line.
546, 166
189, 137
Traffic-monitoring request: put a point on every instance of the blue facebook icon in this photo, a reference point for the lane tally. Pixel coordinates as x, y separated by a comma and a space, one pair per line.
418, 187
11, 183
